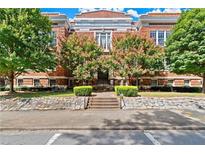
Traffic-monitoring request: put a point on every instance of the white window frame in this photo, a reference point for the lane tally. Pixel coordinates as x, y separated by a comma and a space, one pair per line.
34, 83
106, 38
54, 35
157, 36
157, 84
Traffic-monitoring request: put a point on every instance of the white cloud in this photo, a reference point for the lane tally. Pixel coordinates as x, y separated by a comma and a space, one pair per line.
172, 10
118, 9
166, 10
157, 10
83, 10
133, 13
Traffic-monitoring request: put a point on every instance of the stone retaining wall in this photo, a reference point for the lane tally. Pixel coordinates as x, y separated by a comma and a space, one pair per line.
163, 103
43, 103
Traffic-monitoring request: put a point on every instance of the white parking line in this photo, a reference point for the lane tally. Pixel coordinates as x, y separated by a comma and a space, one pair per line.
53, 138
151, 138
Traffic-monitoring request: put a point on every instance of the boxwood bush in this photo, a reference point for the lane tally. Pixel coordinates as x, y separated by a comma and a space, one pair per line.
83, 90
128, 91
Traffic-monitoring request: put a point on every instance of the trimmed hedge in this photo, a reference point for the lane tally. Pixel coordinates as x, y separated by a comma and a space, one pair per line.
129, 91
83, 90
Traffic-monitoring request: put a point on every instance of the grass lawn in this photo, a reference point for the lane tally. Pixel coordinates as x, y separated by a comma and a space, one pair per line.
37, 94
170, 94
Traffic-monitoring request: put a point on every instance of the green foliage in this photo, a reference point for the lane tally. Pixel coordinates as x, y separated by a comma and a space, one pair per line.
24, 42
134, 55
80, 55
129, 91
186, 45
83, 90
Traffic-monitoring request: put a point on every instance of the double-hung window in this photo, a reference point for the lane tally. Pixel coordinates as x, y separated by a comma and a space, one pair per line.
104, 40
54, 38
153, 35
36, 82
159, 36
52, 82
20, 82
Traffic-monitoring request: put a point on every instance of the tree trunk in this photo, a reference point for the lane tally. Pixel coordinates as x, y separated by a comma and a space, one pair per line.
11, 82
137, 81
203, 84
121, 82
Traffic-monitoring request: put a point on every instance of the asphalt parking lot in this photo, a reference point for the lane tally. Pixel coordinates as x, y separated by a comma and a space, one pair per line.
104, 137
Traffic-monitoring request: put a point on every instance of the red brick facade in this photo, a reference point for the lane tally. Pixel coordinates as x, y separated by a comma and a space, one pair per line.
61, 77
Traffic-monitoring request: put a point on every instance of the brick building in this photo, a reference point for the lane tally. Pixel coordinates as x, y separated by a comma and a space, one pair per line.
103, 25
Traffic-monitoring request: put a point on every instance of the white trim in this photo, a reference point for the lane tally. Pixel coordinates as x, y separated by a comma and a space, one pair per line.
174, 77
114, 19
42, 77
157, 42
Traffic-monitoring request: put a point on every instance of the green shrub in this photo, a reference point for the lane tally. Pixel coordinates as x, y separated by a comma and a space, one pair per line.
22, 88
129, 91
83, 90
2, 88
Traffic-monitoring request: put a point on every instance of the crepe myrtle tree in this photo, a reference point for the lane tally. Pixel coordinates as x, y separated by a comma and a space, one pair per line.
80, 55
134, 55
24, 43
185, 49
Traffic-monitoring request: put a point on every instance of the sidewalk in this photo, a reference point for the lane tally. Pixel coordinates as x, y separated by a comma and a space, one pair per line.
97, 119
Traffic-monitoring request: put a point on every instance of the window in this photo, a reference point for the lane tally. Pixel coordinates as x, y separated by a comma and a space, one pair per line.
2, 82
154, 83
167, 34
36, 82
20, 82
159, 36
104, 40
54, 41
170, 82
186, 83
153, 35
52, 82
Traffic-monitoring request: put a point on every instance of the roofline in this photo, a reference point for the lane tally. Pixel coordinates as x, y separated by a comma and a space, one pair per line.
104, 10
162, 13
102, 18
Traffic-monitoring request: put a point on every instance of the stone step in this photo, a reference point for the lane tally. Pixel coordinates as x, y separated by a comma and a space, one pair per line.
105, 98
105, 104
103, 107
104, 101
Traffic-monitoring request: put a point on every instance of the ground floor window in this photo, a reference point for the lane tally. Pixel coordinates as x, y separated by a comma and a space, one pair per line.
170, 82
36, 82
20, 82
154, 83
52, 82
186, 83
2, 82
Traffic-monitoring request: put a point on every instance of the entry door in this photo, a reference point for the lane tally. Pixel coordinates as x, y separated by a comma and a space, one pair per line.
103, 77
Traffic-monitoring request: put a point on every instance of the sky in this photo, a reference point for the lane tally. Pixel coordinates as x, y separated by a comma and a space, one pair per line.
134, 12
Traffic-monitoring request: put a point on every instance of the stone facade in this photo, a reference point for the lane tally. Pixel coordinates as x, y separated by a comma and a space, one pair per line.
138, 103
43, 103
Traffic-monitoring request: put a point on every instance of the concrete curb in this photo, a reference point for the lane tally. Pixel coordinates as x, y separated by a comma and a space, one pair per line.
107, 128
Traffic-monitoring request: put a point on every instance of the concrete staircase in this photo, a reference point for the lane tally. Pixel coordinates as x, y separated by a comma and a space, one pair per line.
103, 103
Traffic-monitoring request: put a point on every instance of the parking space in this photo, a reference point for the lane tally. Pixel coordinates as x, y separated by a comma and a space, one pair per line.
104, 137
